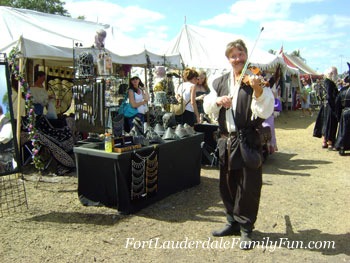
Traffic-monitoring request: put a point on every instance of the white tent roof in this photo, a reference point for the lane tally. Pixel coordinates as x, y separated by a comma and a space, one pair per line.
205, 48
172, 61
36, 50
52, 37
48, 29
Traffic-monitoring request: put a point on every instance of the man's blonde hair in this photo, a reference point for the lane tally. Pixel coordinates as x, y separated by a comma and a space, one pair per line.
239, 43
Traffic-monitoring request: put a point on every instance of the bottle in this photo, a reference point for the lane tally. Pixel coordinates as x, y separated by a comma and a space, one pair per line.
108, 143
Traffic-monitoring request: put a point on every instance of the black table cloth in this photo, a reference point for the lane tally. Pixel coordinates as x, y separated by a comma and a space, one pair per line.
106, 178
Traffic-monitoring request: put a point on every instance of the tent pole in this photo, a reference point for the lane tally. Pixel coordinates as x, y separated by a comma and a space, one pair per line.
146, 81
18, 115
19, 96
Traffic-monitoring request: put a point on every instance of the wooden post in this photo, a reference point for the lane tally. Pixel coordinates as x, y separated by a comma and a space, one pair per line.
19, 96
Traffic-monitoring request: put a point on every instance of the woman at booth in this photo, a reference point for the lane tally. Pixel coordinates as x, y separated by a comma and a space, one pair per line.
138, 98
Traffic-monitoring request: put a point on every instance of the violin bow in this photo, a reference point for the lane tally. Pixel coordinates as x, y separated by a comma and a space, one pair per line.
248, 58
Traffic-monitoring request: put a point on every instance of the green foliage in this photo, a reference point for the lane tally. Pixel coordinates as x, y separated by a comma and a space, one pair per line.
33, 136
296, 53
45, 6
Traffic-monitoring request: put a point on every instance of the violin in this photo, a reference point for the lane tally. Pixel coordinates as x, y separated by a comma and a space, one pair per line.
256, 72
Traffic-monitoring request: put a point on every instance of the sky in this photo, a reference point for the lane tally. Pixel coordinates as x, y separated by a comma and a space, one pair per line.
319, 29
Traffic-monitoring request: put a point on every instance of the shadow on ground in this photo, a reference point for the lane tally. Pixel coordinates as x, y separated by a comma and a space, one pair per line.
311, 240
284, 164
78, 218
188, 205
291, 120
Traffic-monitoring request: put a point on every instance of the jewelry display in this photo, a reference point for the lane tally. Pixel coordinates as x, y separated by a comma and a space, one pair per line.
137, 179
152, 175
89, 100
144, 177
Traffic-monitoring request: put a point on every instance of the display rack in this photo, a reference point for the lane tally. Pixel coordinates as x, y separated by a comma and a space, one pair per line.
89, 101
95, 89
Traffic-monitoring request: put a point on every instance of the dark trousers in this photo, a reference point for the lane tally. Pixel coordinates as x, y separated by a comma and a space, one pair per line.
240, 192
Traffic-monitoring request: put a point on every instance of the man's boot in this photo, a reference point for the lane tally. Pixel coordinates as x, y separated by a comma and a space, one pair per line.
246, 242
228, 230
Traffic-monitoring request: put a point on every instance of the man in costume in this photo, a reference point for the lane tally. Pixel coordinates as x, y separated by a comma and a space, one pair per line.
241, 110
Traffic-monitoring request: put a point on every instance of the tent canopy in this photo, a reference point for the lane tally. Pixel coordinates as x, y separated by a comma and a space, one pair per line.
205, 48
297, 63
55, 30
52, 37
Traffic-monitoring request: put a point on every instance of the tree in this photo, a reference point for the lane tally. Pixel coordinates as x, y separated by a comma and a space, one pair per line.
273, 52
296, 53
45, 6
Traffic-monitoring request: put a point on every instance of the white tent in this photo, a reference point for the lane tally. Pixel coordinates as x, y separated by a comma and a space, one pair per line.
52, 37
41, 35
145, 57
205, 48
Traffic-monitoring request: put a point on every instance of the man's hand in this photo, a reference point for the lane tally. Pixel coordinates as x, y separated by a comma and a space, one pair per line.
257, 84
224, 101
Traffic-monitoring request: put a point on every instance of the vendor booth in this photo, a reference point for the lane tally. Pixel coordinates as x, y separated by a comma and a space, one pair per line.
87, 81
132, 180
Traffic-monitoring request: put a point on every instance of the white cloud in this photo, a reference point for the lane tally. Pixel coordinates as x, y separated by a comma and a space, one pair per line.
316, 28
135, 26
125, 19
242, 12
341, 21
224, 20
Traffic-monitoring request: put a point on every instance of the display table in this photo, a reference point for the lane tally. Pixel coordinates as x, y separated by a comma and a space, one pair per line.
107, 177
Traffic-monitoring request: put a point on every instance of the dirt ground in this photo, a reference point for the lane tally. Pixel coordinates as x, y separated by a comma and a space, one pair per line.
305, 199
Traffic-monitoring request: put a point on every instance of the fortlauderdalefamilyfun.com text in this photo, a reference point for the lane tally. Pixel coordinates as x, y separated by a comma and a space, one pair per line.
221, 243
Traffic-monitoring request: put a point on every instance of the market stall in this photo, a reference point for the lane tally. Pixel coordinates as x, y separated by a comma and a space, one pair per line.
132, 180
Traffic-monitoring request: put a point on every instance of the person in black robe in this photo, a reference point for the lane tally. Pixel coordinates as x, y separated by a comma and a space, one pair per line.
343, 113
326, 122
241, 109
